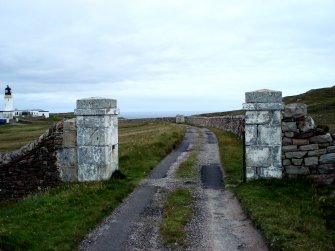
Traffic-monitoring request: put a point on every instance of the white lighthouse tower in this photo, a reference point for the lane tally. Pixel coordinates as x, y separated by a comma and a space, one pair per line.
8, 100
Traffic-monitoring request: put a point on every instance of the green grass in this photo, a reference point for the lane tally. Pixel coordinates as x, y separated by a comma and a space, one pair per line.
60, 218
291, 214
231, 154
177, 214
288, 213
187, 168
15, 136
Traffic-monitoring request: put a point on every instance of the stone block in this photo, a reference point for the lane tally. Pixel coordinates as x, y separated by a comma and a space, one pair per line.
327, 158
97, 121
311, 161
94, 155
289, 134
69, 173
297, 162
317, 152
331, 149
251, 173
286, 162
306, 124
276, 118
327, 138
96, 103
263, 106
289, 126
263, 96
297, 170
180, 119
323, 145
271, 172
66, 157
295, 155
326, 168
295, 110
69, 125
269, 135
257, 117
309, 147
96, 136
287, 141
96, 112
258, 156
250, 134
69, 139
300, 142
277, 156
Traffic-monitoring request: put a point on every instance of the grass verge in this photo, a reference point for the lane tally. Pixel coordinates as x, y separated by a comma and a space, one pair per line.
59, 218
177, 214
231, 155
291, 214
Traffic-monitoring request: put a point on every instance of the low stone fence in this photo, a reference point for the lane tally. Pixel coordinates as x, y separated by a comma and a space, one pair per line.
163, 119
234, 124
307, 150
33, 167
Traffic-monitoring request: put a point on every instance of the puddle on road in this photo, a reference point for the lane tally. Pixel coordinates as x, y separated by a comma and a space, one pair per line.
211, 138
211, 177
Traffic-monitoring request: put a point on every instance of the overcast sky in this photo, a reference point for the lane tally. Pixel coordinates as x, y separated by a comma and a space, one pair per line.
163, 55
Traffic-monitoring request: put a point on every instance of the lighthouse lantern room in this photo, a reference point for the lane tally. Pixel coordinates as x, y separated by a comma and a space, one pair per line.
8, 99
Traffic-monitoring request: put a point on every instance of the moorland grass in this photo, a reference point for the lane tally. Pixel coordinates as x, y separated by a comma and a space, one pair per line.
15, 136
291, 214
59, 218
177, 214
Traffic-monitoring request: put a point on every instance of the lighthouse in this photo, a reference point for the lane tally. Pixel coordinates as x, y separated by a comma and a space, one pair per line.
8, 99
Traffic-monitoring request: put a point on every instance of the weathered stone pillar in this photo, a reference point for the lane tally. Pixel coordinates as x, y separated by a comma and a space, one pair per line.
180, 119
67, 154
97, 138
263, 134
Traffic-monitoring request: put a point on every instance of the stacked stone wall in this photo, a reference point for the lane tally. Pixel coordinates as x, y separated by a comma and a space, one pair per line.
33, 167
234, 124
308, 150
163, 119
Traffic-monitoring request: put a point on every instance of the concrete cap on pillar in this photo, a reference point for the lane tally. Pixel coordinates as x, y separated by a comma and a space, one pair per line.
96, 103
263, 96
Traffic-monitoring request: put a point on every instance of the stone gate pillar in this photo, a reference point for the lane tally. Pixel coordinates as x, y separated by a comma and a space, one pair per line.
97, 138
263, 134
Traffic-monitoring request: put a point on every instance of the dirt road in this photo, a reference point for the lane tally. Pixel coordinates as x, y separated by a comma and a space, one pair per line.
218, 224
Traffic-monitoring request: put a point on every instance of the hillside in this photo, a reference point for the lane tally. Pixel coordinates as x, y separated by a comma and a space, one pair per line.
320, 104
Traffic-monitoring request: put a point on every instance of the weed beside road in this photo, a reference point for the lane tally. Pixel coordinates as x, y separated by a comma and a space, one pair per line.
177, 214
291, 214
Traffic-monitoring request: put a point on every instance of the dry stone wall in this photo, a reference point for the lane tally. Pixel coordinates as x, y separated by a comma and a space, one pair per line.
234, 124
143, 120
308, 150
33, 167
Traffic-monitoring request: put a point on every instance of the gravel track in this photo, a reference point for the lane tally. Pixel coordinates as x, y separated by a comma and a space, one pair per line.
218, 223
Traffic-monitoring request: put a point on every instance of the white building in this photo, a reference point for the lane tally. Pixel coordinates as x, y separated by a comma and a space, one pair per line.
9, 112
